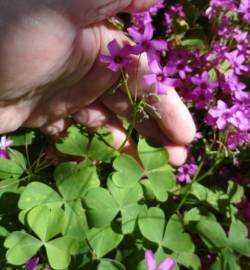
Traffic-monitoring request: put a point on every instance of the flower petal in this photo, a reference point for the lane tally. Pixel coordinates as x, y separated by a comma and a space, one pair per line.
150, 79
159, 45
150, 260
32, 263
167, 264
155, 67
137, 36
114, 47
148, 31
106, 58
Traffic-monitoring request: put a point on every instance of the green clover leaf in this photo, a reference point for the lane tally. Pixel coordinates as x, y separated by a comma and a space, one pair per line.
103, 240
74, 180
21, 247
45, 222
79, 143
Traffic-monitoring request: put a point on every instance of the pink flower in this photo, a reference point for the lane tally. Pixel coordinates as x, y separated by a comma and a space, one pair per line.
4, 144
144, 42
118, 56
160, 77
167, 264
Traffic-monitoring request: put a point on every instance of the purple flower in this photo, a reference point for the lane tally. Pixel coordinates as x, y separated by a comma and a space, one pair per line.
142, 19
244, 8
224, 29
4, 144
167, 264
118, 56
237, 139
144, 42
203, 90
177, 9
217, 5
185, 173
240, 117
233, 82
160, 77
236, 61
153, 10
32, 263
221, 114
237, 115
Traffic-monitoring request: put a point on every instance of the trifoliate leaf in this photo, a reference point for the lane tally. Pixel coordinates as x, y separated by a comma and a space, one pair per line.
174, 235
21, 247
36, 194
154, 218
45, 222
128, 171
75, 180
103, 240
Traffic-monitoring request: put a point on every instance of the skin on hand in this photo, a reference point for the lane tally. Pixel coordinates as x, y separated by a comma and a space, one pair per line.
50, 69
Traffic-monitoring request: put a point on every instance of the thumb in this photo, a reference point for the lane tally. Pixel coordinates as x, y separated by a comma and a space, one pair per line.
97, 10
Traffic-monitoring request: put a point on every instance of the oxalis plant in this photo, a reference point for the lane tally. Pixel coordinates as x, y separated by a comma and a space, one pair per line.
97, 208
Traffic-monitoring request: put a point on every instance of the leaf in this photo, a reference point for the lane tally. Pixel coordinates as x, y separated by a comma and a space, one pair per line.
59, 252
160, 175
235, 192
21, 247
174, 237
241, 246
103, 240
100, 146
75, 180
79, 143
211, 233
18, 158
3, 232
128, 170
238, 230
193, 43
152, 157
188, 259
75, 143
130, 214
125, 196
24, 137
192, 215
161, 181
108, 264
154, 218
45, 222
75, 222
10, 169
102, 208
9, 185
36, 194
226, 261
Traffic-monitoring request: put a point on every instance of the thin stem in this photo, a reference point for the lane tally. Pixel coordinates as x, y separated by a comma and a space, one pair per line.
125, 83
131, 127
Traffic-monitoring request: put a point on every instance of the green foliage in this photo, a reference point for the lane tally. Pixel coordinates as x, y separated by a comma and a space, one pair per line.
80, 143
75, 219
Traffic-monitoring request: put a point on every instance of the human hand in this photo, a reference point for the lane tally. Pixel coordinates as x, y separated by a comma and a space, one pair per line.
50, 69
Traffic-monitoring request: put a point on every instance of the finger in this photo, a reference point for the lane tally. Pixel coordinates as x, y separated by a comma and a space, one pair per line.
56, 128
176, 121
147, 127
97, 10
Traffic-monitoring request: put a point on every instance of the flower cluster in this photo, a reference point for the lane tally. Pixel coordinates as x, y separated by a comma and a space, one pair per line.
210, 75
